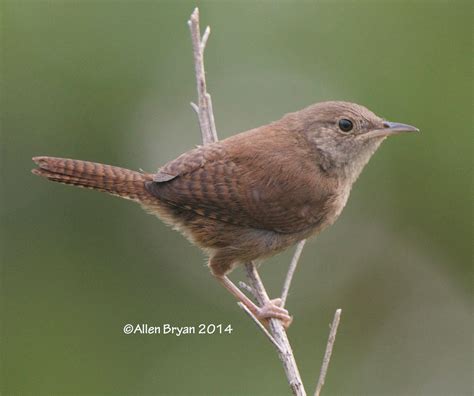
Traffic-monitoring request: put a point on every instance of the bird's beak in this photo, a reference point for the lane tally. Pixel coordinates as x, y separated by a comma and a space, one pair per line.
391, 128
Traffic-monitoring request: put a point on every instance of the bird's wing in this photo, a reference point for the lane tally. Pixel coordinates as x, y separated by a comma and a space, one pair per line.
244, 189
189, 162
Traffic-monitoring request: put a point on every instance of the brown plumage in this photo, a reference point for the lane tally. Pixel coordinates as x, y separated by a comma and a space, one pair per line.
117, 181
254, 194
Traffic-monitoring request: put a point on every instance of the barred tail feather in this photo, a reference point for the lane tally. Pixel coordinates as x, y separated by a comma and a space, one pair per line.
117, 181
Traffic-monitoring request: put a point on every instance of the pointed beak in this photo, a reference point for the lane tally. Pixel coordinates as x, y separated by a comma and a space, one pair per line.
397, 127
392, 128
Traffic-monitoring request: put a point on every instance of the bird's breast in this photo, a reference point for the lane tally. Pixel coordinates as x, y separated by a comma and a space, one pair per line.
337, 204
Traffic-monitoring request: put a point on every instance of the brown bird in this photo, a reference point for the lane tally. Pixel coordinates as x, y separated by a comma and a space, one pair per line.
254, 194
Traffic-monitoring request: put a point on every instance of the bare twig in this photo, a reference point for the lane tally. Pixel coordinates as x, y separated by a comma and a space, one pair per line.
204, 106
247, 288
209, 135
261, 326
291, 271
278, 332
327, 354
195, 107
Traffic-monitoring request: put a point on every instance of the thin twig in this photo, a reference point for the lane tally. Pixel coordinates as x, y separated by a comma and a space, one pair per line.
327, 354
260, 326
205, 36
246, 287
279, 334
291, 271
205, 115
195, 107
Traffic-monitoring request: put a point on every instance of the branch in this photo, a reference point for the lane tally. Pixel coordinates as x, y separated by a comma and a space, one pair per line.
204, 106
247, 288
209, 135
291, 271
260, 326
327, 354
277, 334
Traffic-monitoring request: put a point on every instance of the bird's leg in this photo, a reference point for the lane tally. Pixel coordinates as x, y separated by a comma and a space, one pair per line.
271, 309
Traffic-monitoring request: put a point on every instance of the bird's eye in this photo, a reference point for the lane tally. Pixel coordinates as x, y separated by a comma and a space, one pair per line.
345, 125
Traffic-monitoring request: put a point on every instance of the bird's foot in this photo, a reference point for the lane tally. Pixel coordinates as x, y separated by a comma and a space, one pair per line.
273, 310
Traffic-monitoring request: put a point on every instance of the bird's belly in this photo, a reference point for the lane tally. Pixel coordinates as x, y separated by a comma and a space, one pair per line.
246, 243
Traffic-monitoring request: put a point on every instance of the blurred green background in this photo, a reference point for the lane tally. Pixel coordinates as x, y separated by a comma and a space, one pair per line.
111, 81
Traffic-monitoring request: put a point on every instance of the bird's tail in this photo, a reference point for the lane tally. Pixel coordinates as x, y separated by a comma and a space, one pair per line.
117, 181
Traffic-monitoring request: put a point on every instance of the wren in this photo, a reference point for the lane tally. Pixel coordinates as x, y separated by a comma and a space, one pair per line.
254, 194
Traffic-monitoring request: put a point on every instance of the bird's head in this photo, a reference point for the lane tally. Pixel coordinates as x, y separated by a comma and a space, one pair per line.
345, 135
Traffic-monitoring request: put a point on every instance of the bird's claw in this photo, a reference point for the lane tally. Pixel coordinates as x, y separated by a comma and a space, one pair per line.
272, 309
